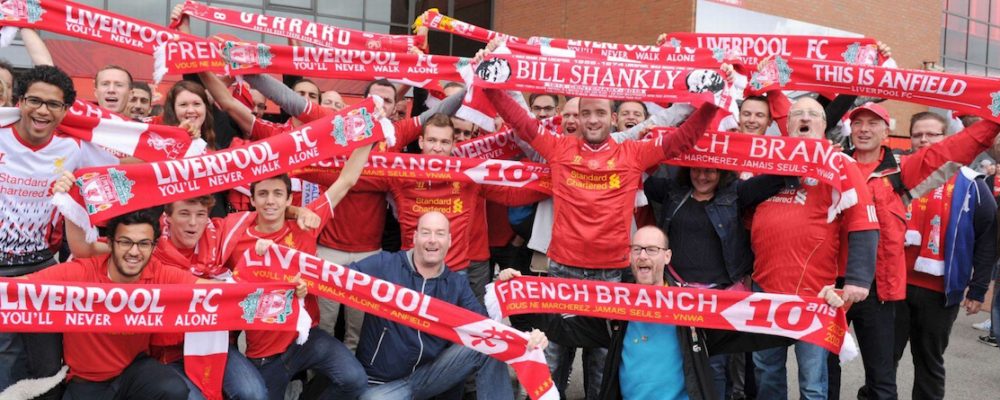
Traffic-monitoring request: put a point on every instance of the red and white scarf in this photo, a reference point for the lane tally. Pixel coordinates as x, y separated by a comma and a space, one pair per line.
802, 318
929, 215
299, 29
750, 49
83, 22
408, 307
121, 136
964, 93
110, 191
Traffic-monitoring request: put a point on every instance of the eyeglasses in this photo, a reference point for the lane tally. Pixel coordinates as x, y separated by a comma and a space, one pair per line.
652, 251
52, 105
540, 109
929, 135
811, 113
144, 245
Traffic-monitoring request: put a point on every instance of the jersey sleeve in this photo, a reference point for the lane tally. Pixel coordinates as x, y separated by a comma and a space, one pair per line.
312, 112
263, 129
71, 271
324, 210
407, 131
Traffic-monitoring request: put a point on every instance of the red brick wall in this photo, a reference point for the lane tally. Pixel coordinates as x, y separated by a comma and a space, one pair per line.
911, 27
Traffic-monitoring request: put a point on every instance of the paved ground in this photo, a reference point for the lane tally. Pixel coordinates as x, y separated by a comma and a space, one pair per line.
973, 368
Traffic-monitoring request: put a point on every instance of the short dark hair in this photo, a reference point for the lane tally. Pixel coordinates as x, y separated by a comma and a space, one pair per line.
149, 216
45, 74
440, 120
756, 98
645, 111
379, 82
533, 96
207, 200
284, 178
143, 86
113, 66
307, 80
920, 116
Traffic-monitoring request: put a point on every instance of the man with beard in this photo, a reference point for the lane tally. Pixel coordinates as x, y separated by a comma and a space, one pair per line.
140, 102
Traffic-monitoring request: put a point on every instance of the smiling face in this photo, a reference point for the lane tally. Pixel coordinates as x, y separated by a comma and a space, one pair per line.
139, 104
431, 240
704, 180
648, 268
755, 117
37, 123
271, 198
597, 119
113, 89
868, 130
806, 119
437, 140
187, 221
190, 107
131, 249
630, 113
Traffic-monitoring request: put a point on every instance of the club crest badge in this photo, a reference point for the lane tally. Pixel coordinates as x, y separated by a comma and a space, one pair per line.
355, 126
101, 191
771, 71
272, 307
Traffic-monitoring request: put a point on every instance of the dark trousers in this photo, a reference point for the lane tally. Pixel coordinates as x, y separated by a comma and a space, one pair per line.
924, 321
145, 378
874, 326
40, 352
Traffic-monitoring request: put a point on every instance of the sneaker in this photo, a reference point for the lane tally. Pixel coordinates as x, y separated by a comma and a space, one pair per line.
988, 340
983, 326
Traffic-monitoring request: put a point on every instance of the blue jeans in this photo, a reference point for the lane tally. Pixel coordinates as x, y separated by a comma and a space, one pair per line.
995, 311
240, 381
447, 370
324, 355
772, 376
560, 358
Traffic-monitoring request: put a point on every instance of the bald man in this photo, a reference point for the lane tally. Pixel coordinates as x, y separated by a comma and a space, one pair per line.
404, 363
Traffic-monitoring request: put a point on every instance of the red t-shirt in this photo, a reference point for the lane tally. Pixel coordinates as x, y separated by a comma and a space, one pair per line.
101, 356
797, 251
268, 343
594, 191
498, 225
479, 242
459, 201
361, 215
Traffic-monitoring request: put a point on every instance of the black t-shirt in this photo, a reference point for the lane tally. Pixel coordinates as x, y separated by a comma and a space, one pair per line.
696, 247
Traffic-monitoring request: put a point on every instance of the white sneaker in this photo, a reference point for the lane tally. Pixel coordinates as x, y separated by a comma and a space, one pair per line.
983, 326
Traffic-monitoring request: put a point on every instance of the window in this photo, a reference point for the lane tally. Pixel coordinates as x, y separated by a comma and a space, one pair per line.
970, 36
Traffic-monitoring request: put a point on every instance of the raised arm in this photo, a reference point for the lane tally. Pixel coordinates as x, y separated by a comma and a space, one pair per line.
448, 106
279, 93
75, 235
689, 132
37, 50
930, 167
525, 127
238, 112
348, 176
755, 190
670, 116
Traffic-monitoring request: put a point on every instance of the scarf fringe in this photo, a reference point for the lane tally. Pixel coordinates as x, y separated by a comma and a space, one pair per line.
841, 202
32, 388
492, 303
303, 324
159, 63
848, 350
7, 35
75, 213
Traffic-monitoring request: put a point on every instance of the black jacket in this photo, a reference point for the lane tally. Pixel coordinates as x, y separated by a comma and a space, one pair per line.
696, 346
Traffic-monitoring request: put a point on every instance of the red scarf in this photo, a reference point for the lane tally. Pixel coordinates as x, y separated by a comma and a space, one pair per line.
968, 94
84, 22
438, 168
929, 216
408, 307
111, 191
299, 29
500, 145
237, 58
750, 49
801, 318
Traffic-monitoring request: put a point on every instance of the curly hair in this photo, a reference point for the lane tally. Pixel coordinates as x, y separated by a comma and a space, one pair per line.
45, 74
170, 115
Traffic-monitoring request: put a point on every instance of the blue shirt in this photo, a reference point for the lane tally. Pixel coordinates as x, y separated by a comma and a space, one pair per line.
652, 365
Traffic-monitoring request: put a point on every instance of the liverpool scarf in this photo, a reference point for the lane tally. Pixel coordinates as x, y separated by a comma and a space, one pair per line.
750, 49
302, 30
144, 141
110, 191
802, 318
500, 145
438, 168
83, 22
968, 94
408, 307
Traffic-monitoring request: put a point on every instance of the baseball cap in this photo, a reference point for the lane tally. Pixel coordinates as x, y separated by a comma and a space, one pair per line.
875, 108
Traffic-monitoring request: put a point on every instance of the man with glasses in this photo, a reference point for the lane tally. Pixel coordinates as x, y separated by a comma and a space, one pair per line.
543, 105
936, 285
32, 156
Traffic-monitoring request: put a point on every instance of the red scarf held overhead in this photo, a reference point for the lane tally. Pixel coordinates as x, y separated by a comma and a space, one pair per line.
300, 29
111, 191
438, 168
84, 22
750, 49
801, 318
237, 58
408, 307
964, 93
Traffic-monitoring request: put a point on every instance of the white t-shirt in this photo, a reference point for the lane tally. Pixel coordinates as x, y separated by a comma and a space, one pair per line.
27, 217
